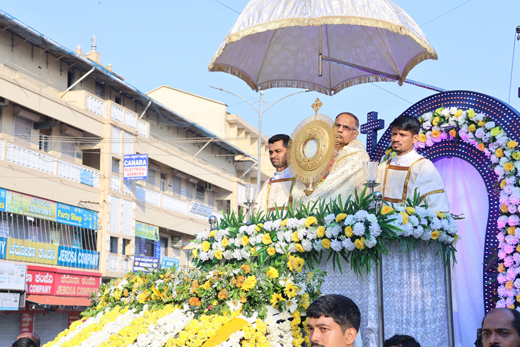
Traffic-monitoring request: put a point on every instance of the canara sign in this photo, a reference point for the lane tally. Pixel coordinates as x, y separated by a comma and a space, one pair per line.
135, 167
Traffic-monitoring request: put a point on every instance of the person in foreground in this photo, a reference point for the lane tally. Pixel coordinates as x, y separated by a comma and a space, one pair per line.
31, 336
276, 193
400, 176
501, 328
24, 342
333, 321
345, 173
401, 341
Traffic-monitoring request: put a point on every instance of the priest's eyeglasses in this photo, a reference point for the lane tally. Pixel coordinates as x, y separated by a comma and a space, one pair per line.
345, 127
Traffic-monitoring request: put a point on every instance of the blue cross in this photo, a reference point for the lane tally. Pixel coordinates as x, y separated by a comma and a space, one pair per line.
370, 128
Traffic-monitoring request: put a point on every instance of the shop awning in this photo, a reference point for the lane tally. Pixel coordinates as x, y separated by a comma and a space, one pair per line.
58, 300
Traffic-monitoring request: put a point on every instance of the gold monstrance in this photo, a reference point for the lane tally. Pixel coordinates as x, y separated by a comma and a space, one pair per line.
313, 144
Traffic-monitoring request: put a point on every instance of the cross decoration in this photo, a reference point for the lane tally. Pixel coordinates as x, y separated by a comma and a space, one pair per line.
370, 128
316, 106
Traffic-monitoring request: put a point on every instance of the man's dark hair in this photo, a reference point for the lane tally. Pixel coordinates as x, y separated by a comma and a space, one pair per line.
279, 137
516, 318
407, 123
24, 342
401, 341
338, 307
351, 115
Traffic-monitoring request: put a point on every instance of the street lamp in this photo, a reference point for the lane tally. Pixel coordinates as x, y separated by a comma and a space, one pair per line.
260, 111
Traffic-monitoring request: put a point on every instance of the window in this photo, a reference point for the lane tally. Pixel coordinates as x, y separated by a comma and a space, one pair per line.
150, 182
68, 147
118, 100
201, 194
189, 190
176, 186
211, 198
113, 244
149, 248
100, 90
163, 182
164, 246
126, 247
70, 78
44, 143
115, 165
22, 131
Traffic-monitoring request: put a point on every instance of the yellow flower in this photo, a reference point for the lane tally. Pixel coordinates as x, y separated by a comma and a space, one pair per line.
435, 234
206, 285
205, 246
481, 123
518, 248
439, 214
459, 112
290, 290
508, 166
436, 120
386, 209
360, 243
348, 231
272, 273
455, 239
249, 283
284, 223
388, 151
504, 208
405, 217
253, 251
245, 240
225, 242
310, 221
509, 285
481, 146
320, 232
340, 217
453, 133
295, 263
512, 144
271, 251
511, 230
218, 254
495, 131
294, 237
499, 153
275, 299
501, 267
518, 298
300, 248
194, 253
436, 133
511, 307
266, 239
212, 233
516, 155
258, 227
410, 210
325, 243
472, 127
422, 137
471, 113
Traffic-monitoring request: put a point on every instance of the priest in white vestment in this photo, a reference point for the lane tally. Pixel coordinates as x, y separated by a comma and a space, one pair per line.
400, 176
346, 171
276, 193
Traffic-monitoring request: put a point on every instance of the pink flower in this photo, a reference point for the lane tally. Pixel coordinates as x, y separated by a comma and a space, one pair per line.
509, 249
463, 135
502, 222
500, 238
516, 258
501, 254
511, 239
511, 208
508, 261
513, 220
501, 278
511, 274
501, 304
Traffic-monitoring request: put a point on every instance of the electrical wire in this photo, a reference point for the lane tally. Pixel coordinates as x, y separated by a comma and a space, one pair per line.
445, 13
511, 76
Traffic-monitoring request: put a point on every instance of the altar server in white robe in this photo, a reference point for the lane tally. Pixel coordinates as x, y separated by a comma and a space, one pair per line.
345, 175
400, 176
276, 193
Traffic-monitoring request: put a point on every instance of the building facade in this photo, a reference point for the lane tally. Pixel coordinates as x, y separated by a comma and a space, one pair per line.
68, 218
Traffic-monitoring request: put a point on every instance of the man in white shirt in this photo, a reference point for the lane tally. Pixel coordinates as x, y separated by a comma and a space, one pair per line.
276, 193
400, 176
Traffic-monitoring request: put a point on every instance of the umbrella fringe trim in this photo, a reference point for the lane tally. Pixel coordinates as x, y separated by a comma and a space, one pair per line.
295, 84
234, 71
361, 80
414, 62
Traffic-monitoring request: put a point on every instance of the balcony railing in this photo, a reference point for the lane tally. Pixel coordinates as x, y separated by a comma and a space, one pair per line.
38, 161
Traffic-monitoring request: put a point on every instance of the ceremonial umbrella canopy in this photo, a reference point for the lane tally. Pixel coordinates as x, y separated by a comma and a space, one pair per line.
321, 45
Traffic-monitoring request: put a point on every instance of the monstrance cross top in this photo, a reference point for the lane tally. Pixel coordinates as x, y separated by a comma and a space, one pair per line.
316, 106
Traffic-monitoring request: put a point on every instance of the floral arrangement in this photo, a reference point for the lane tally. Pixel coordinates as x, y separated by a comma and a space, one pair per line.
352, 231
504, 154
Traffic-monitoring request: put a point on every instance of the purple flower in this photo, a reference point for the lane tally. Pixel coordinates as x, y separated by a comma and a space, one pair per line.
509, 249
511, 239
502, 222
513, 220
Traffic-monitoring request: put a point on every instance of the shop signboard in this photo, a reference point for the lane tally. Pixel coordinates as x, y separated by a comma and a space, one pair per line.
71, 284
40, 281
3, 194
147, 231
27, 323
32, 252
76, 216
9, 301
30, 206
145, 264
3, 247
135, 167
168, 262
87, 177
12, 276
75, 257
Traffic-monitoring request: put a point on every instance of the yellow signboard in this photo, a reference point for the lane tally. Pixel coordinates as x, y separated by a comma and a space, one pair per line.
30, 206
30, 251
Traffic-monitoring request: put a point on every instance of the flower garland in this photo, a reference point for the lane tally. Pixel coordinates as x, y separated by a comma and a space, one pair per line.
480, 131
75, 328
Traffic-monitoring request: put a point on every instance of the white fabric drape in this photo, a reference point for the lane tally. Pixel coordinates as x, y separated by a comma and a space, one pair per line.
468, 196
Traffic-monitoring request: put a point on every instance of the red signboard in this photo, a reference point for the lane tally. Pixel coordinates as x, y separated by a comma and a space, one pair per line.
27, 323
72, 318
51, 281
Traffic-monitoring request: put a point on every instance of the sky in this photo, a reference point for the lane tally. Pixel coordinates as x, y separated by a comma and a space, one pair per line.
171, 43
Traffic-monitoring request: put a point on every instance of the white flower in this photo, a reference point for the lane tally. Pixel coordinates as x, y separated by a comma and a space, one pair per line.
228, 255
237, 255
359, 229
349, 220
426, 236
251, 229
243, 229
317, 245
348, 244
301, 232
307, 245
204, 256
336, 245
329, 218
292, 223
292, 248
371, 218
370, 243
375, 230
417, 232
291, 305
234, 304
203, 235
413, 220
268, 225
489, 125
361, 215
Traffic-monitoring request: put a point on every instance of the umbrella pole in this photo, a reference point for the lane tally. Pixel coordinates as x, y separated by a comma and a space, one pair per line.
259, 160
375, 72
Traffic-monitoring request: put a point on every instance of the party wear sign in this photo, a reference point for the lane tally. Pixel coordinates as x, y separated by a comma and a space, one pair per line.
77, 216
